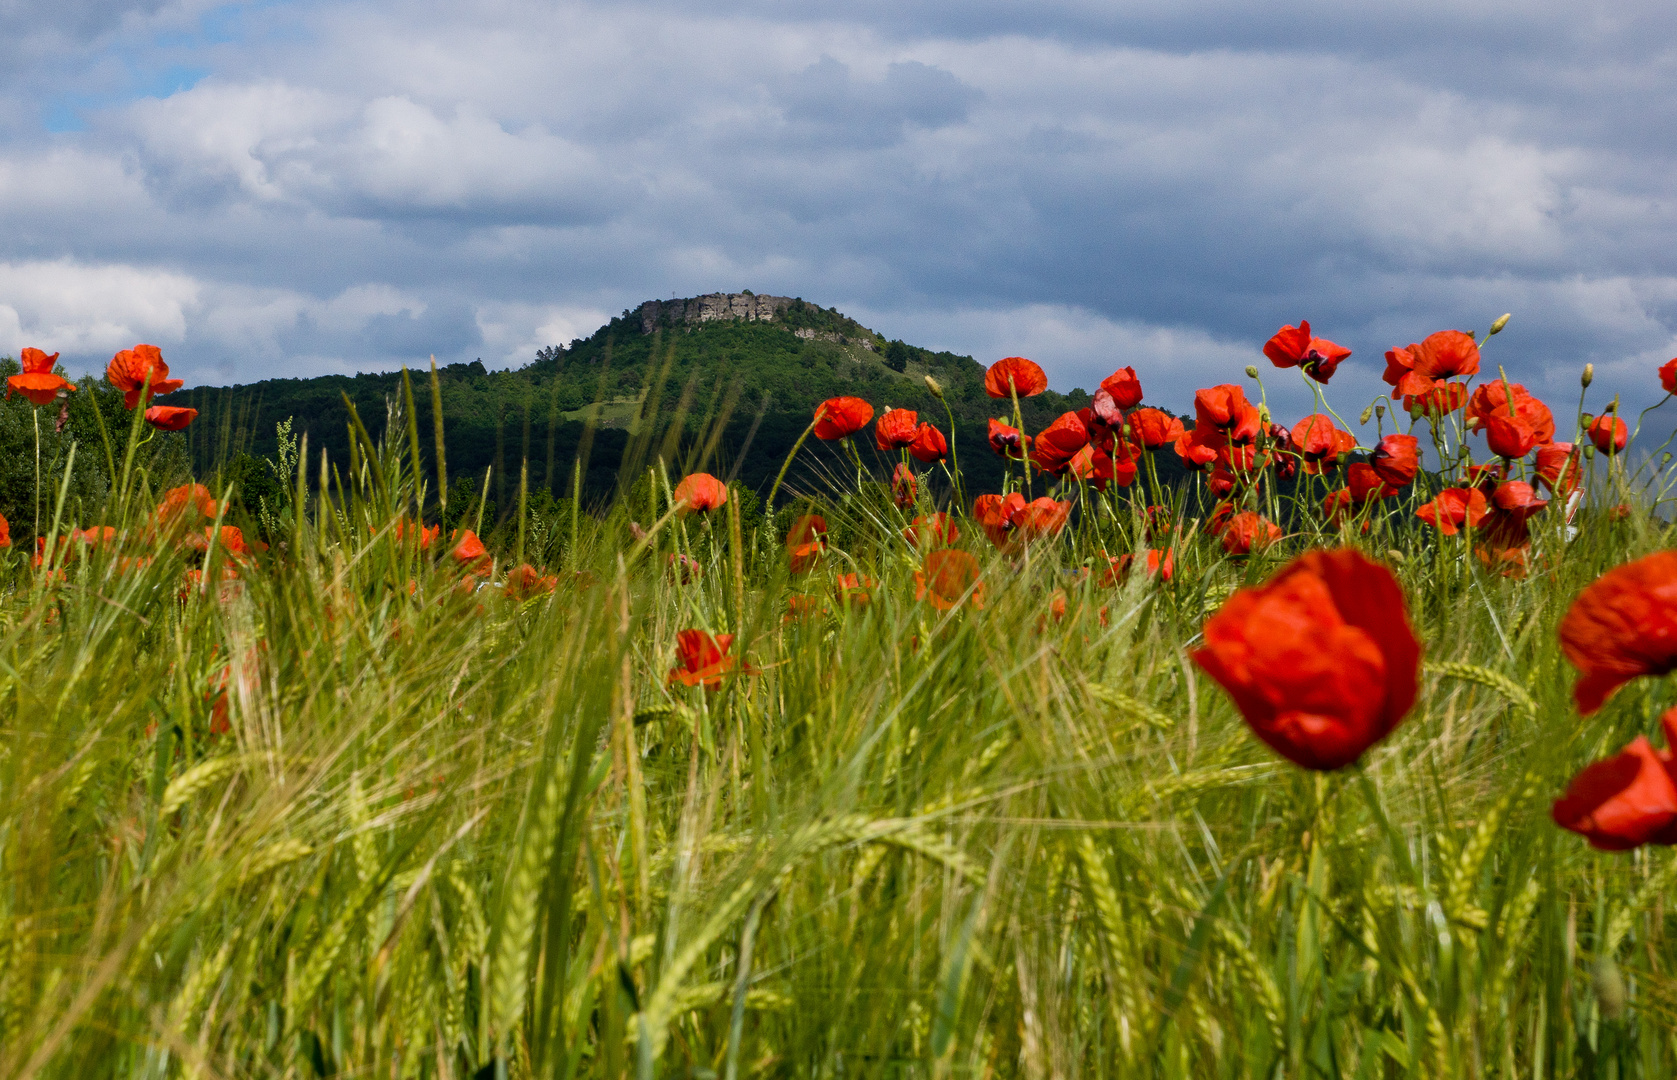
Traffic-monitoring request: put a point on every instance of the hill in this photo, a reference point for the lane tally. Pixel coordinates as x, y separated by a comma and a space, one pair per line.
729, 379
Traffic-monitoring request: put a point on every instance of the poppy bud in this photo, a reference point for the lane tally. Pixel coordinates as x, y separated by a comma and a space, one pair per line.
1380, 409
932, 385
1251, 371
1589, 450
1589, 375
1368, 412
1496, 327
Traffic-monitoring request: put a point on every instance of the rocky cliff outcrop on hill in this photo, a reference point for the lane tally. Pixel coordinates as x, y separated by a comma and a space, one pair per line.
753, 307
711, 307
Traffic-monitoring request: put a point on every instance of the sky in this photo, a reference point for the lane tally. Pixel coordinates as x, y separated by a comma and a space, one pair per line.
272, 189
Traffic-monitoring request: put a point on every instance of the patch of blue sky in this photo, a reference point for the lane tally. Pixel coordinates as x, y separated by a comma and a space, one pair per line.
69, 112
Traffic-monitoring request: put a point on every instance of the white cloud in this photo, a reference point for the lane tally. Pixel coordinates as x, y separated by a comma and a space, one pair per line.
67, 306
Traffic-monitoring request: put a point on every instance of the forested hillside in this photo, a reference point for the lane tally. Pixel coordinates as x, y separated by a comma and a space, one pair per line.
711, 390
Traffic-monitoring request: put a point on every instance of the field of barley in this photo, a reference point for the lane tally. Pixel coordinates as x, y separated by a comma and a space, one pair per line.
1328, 764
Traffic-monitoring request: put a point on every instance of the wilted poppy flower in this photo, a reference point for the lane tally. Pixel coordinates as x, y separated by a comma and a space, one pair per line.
1161, 564
1014, 375
841, 417
1053, 448
468, 550
854, 588
1249, 531
1558, 468
1412, 372
1321, 660
895, 430
1628, 800
702, 660
1292, 346
37, 382
947, 577
932, 529
1154, 428
140, 367
1668, 376
684, 567
904, 486
1622, 625
1608, 433
701, 492
1123, 387
525, 581
170, 417
929, 444
1452, 509
806, 542
1397, 459
1006, 440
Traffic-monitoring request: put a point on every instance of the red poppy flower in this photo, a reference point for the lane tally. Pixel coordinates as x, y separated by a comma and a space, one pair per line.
700, 491
1006, 441
1114, 464
1558, 468
895, 430
1628, 800
1292, 346
854, 588
806, 542
5, 532
1226, 409
1218, 519
423, 535
1491, 400
1319, 442
1668, 375
1447, 354
170, 417
1321, 660
702, 660
904, 486
1608, 433
525, 581
1513, 437
1365, 484
937, 530
469, 551
841, 417
181, 502
1622, 625
1154, 428
1397, 459
929, 444
800, 606
37, 381
1199, 448
1053, 448
1444, 398
1452, 509
231, 540
947, 578
1336, 505
1249, 531
1014, 375
1517, 496
1161, 564
1124, 388
130, 369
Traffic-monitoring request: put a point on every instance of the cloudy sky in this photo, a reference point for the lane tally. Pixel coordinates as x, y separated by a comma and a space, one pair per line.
291, 188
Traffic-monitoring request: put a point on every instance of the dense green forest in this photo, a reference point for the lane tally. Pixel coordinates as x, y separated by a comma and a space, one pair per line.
731, 396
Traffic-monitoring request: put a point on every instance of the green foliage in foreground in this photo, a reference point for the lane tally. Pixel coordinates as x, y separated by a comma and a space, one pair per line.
447, 834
